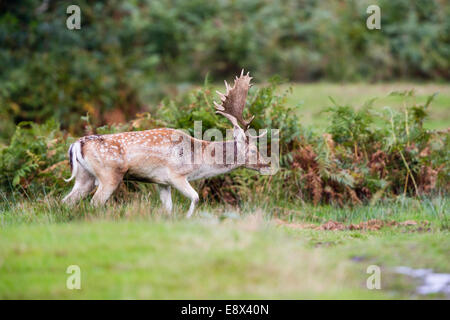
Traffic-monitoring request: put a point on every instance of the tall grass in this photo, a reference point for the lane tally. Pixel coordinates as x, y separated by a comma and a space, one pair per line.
146, 206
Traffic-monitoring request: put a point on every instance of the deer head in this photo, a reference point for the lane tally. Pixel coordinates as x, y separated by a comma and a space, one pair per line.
232, 107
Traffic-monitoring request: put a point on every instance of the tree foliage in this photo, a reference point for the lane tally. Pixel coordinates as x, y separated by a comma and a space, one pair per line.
127, 51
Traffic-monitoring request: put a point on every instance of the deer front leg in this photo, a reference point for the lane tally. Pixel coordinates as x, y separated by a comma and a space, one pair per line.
182, 185
165, 195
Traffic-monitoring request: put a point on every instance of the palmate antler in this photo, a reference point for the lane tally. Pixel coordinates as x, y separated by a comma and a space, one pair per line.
233, 101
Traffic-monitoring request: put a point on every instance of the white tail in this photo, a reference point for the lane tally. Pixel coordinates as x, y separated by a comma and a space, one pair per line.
76, 159
73, 166
167, 157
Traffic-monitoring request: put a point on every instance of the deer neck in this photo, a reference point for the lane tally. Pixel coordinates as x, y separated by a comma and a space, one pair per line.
219, 157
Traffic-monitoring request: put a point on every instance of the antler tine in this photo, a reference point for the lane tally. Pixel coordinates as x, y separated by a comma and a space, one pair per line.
222, 96
227, 86
218, 106
233, 102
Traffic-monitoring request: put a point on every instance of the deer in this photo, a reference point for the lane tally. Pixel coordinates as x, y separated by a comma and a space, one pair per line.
164, 156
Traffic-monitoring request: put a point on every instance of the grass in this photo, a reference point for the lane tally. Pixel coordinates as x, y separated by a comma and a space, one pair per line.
313, 99
130, 250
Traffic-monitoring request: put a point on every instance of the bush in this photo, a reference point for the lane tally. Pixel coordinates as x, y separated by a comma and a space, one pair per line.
35, 161
365, 156
362, 158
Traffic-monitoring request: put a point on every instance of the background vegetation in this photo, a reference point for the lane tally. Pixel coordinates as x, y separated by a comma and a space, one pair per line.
110, 75
366, 155
130, 54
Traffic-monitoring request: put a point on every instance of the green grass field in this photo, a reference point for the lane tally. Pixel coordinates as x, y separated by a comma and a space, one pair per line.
131, 250
266, 249
313, 99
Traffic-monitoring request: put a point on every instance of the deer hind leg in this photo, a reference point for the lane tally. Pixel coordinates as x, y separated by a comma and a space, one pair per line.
84, 184
182, 185
108, 182
165, 195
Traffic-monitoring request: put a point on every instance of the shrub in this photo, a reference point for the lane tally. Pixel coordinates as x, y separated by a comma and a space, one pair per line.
35, 161
365, 155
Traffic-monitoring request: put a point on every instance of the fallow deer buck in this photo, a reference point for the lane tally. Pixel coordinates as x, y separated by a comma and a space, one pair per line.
164, 156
